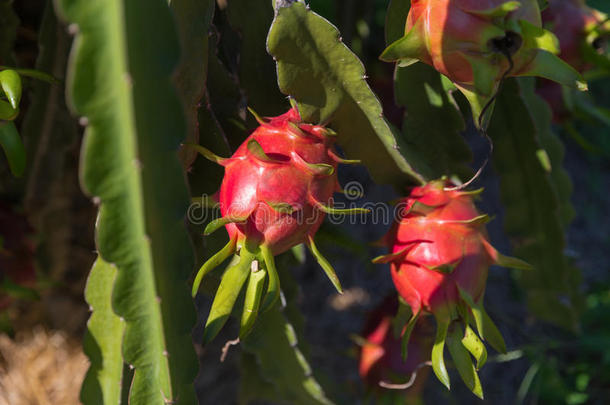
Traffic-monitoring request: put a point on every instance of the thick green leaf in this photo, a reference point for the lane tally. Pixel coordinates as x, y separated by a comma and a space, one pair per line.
463, 361
193, 19
273, 341
328, 81
474, 345
10, 82
278, 350
430, 109
438, 351
256, 70
102, 384
433, 124
13, 147
122, 85
233, 280
395, 20
533, 211
487, 329
542, 116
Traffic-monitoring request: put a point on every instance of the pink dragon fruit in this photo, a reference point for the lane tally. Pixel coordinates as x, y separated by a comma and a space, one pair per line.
439, 262
381, 362
277, 188
477, 43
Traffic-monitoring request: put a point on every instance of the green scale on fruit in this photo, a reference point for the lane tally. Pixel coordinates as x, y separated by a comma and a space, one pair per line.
439, 261
275, 192
477, 43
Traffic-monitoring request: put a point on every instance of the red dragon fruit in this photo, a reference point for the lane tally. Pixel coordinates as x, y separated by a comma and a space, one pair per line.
477, 42
439, 263
583, 33
381, 363
277, 188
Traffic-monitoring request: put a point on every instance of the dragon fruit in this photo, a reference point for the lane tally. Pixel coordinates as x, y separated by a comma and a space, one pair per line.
583, 33
381, 362
439, 263
276, 190
476, 43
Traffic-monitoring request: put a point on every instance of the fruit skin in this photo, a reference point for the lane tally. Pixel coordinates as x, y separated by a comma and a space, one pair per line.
251, 186
456, 33
380, 355
439, 263
471, 41
572, 21
451, 252
583, 37
276, 190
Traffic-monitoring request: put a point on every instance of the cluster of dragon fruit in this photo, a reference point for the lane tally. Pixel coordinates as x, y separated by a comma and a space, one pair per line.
279, 184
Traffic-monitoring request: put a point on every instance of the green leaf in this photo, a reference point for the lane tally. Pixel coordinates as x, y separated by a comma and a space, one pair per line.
551, 67
7, 112
254, 292
193, 19
102, 384
10, 82
327, 80
213, 262
395, 18
273, 341
533, 212
218, 223
407, 335
122, 85
39, 75
438, 355
553, 146
408, 49
431, 110
256, 69
13, 148
474, 345
326, 266
463, 362
231, 284
538, 38
487, 329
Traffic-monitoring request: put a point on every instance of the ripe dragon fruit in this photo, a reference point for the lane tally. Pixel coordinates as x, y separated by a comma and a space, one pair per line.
276, 190
583, 33
439, 262
380, 353
472, 41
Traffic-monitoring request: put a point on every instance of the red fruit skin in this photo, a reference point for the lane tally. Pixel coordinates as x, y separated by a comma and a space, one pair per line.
570, 21
381, 358
250, 184
418, 276
451, 31
552, 93
16, 251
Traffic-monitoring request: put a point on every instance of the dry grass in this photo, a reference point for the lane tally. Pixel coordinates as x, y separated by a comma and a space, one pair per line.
40, 368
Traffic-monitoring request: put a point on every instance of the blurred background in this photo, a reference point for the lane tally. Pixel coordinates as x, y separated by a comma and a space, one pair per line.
47, 228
